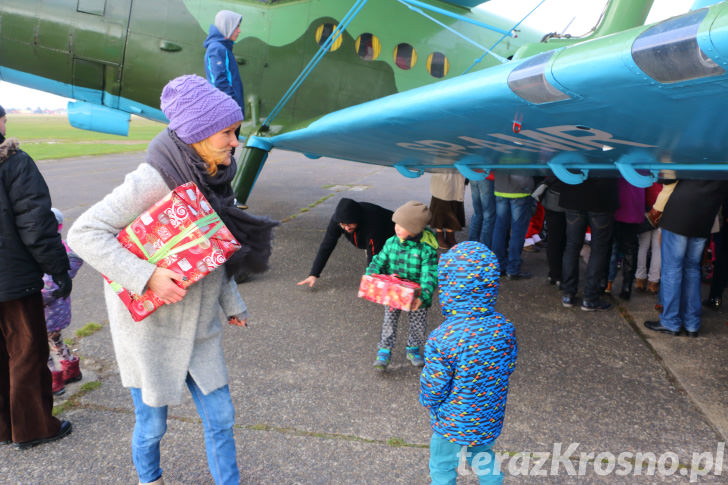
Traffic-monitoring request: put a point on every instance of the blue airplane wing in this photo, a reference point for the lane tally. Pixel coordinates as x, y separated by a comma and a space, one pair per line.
639, 102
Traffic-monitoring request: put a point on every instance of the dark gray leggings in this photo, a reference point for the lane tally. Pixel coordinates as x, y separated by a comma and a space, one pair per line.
417, 327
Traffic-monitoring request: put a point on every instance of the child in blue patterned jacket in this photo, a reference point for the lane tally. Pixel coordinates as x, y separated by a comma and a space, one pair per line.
468, 361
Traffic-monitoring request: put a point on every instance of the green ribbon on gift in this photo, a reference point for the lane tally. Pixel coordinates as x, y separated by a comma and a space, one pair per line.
169, 249
116, 287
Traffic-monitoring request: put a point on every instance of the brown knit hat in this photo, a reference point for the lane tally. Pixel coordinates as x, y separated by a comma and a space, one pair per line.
413, 216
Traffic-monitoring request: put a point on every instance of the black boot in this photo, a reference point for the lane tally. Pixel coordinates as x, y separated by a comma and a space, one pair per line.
441, 241
450, 239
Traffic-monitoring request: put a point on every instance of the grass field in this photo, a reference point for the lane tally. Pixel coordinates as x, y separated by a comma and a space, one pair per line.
46, 137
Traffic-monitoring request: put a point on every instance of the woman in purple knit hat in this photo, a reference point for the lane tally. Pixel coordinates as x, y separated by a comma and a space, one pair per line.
179, 345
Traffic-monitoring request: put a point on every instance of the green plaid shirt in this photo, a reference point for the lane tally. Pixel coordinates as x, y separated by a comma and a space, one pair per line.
412, 260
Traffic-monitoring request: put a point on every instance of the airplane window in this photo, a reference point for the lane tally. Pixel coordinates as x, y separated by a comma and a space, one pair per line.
405, 56
669, 51
529, 82
323, 32
368, 47
437, 64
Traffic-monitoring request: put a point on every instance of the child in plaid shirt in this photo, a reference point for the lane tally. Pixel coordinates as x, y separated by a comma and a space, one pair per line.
412, 255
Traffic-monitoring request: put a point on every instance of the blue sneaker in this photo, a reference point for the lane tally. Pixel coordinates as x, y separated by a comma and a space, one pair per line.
568, 301
414, 355
382, 360
593, 306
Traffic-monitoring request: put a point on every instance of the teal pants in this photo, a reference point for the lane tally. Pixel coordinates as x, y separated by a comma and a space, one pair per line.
445, 457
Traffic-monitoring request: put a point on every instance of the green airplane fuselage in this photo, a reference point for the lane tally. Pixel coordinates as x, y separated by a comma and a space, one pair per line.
110, 52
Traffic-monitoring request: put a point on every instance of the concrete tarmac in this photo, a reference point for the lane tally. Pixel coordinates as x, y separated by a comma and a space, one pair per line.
595, 398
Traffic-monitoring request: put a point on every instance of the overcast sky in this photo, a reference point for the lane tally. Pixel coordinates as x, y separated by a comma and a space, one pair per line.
575, 17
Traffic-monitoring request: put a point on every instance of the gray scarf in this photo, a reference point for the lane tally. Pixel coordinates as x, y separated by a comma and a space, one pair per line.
179, 163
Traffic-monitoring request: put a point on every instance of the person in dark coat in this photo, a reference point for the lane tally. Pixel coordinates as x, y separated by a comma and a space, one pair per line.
29, 246
367, 226
686, 222
720, 266
591, 203
555, 220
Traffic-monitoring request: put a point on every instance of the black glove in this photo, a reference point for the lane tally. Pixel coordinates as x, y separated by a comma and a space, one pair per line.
64, 285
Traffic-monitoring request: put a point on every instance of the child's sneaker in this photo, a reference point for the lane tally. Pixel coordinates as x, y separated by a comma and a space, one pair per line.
414, 355
71, 371
382, 360
59, 385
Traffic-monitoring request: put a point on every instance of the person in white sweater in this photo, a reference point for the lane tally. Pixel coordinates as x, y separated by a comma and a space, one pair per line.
180, 344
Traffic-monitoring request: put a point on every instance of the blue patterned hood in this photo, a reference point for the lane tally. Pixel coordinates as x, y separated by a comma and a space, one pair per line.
468, 277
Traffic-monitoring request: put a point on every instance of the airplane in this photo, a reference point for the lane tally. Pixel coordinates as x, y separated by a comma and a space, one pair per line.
421, 86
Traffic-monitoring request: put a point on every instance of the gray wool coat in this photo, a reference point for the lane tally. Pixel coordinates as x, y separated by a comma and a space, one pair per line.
157, 353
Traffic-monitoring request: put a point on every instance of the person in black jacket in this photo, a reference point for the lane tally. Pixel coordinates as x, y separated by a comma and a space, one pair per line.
591, 203
686, 223
720, 266
367, 226
30, 245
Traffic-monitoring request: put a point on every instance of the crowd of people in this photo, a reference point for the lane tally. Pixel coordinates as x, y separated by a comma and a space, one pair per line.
658, 237
669, 232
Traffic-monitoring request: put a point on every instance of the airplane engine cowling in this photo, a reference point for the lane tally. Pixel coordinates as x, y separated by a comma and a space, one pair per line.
93, 117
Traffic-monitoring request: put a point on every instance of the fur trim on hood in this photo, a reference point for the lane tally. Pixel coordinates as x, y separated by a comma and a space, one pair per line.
8, 148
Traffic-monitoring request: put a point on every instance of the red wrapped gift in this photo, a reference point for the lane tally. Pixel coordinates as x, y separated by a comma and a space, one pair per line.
181, 232
389, 290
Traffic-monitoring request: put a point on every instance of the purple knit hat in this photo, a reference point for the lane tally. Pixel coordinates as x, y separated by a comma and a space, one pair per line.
196, 109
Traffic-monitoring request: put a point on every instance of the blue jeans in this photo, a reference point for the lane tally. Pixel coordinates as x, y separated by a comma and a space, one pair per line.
445, 458
680, 281
511, 215
218, 416
483, 219
602, 224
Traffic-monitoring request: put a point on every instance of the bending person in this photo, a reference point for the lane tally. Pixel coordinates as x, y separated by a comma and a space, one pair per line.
366, 226
180, 344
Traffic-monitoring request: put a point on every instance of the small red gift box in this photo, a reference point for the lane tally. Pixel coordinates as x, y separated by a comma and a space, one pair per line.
181, 232
389, 290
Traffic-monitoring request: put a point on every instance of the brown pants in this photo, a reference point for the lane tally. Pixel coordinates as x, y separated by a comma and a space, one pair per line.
26, 399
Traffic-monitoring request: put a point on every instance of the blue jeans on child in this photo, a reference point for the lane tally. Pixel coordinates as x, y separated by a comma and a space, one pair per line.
218, 416
445, 458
